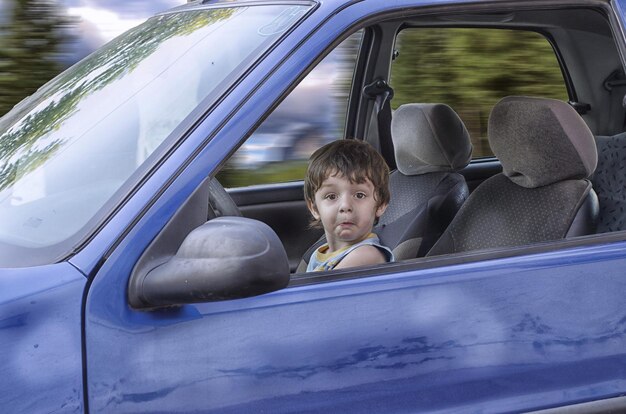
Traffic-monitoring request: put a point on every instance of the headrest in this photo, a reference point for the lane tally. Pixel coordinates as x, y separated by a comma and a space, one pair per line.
541, 141
429, 137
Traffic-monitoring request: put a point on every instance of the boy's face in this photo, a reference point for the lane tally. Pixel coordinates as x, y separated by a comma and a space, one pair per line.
347, 210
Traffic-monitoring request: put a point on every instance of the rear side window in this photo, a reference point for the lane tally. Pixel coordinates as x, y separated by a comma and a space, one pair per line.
471, 70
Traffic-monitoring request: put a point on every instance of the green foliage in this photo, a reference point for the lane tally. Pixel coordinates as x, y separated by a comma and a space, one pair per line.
280, 172
123, 54
472, 69
30, 48
19, 145
468, 69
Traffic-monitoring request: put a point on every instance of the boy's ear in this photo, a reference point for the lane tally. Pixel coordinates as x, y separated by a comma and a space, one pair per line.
381, 209
313, 210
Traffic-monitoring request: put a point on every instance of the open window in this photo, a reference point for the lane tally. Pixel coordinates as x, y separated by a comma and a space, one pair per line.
311, 115
467, 60
470, 60
471, 69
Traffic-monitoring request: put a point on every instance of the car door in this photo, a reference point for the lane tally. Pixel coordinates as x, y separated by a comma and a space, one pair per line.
499, 331
41, 338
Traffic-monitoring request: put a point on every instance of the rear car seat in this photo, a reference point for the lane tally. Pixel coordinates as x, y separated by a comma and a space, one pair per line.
609, 182
547, 153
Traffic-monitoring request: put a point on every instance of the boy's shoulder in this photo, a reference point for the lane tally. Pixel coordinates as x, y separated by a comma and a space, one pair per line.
363, 255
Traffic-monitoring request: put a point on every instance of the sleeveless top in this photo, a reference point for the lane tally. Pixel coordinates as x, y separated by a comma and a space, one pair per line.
327, 261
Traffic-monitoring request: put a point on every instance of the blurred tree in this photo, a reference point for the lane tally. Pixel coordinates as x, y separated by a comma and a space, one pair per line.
32, 41
472, 69
20, 148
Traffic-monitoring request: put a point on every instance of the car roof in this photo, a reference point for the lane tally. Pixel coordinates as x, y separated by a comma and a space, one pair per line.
342, 3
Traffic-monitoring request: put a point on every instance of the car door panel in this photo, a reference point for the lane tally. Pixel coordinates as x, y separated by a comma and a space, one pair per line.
486, 335
40, 338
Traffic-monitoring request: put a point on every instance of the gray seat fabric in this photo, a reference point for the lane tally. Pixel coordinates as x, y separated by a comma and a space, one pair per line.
609, 182
547, 153
430, 144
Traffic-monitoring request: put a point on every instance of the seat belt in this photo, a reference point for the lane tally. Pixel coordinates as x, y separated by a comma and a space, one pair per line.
382, 94
615, 83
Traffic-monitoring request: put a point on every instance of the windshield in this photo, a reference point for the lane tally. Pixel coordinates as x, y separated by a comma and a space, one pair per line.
66, 150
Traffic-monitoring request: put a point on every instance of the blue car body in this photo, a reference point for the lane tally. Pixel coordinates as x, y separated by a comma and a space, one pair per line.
542, 329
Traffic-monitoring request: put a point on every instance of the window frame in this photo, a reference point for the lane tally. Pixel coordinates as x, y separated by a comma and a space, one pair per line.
359, 114
358, 108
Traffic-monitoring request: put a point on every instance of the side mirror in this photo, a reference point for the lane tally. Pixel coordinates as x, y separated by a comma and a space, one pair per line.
225, 258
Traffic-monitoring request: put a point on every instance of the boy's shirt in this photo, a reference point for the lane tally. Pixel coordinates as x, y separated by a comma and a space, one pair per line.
320, 260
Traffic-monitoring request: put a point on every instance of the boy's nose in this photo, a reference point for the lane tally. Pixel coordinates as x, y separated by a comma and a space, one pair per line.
345, 205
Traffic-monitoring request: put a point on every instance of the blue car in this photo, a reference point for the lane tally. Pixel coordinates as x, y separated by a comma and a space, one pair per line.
144, 268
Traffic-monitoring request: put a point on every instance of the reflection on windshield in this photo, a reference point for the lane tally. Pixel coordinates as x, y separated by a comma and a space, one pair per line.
68, 148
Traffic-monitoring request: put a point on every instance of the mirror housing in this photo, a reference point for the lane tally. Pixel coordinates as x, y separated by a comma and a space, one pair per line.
225, 258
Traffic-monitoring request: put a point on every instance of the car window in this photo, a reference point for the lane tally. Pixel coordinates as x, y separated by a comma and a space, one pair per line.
472, 69
65, 151
312, 115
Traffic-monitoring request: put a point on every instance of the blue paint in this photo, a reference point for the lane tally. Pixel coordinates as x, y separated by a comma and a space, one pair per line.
487, 341
504, 335
40, 338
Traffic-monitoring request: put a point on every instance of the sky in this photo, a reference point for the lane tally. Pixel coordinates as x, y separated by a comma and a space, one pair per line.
102, 20
108, 18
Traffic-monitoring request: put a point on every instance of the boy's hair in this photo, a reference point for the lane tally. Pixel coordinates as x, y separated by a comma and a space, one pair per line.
353, 159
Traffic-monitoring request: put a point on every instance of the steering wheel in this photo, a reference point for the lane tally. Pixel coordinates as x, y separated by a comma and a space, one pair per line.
220, 202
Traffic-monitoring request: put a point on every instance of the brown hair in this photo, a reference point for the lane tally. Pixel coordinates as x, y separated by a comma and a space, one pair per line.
351, 158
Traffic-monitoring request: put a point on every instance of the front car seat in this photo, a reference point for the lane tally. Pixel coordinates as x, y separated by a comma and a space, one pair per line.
430, 143
547, 154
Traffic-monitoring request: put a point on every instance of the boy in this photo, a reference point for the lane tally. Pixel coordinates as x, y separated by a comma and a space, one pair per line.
347, 189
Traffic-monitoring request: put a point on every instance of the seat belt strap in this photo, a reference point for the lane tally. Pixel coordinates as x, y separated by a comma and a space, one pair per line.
615, 84
382, 94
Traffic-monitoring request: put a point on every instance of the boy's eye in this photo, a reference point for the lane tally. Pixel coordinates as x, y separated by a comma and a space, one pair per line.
330, 196
360, 195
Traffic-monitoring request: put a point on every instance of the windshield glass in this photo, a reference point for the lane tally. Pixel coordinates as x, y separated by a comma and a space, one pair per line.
67, 149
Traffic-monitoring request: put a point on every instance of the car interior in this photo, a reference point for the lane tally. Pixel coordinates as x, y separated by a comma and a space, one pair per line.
538, 186
555, 174
426, 194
